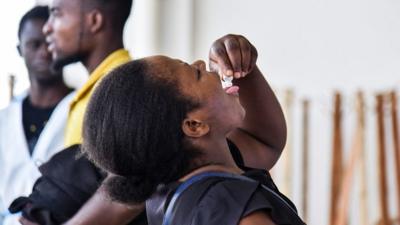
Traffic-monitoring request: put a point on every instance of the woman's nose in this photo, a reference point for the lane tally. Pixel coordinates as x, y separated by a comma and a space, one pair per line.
199, 64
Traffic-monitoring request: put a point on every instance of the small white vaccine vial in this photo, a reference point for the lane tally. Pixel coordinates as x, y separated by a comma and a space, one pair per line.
226, 81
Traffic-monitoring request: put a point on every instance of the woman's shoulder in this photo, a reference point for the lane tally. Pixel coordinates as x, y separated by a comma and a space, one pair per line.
219, 200
214, 200
230, 200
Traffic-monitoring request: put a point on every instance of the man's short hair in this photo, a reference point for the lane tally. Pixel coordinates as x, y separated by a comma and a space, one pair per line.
117, 10
37, 12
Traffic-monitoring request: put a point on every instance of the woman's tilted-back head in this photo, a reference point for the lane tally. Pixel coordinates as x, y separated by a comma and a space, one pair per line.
132, 129
149, 120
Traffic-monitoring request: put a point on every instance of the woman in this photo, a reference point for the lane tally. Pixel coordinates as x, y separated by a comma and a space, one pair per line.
156, 123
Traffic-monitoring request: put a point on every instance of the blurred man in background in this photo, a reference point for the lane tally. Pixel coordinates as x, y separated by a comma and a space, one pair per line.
32, 126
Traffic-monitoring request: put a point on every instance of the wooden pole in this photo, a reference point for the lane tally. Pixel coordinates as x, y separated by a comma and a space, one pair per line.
305, 136
11, 85
288, 151
382, 160
356, 150
395, 130
337, 156
363, 160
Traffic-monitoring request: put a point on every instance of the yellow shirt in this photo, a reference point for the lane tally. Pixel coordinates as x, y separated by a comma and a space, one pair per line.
78, 105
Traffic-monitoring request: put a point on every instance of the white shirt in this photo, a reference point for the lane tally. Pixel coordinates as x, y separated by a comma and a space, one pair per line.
18, 169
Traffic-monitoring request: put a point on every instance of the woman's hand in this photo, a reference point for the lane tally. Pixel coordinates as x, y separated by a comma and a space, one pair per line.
232, 55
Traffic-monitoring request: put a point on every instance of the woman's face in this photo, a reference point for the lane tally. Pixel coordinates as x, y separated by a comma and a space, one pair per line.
219, 107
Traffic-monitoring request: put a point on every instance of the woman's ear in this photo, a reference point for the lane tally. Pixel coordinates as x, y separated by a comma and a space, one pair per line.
195, 128
96, 20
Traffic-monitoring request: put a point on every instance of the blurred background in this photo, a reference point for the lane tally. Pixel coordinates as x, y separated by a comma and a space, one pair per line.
309, 50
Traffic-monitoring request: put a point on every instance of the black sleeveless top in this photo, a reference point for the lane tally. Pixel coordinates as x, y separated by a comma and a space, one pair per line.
219, 201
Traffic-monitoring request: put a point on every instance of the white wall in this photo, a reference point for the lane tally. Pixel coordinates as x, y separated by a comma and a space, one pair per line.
328, 42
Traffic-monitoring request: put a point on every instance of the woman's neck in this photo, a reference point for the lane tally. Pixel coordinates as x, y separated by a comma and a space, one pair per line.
215, 156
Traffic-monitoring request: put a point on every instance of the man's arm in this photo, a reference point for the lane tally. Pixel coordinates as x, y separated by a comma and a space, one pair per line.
100, 210
262, 135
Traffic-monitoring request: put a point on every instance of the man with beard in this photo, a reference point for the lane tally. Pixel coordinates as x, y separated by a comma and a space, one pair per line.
32, 126
90, 32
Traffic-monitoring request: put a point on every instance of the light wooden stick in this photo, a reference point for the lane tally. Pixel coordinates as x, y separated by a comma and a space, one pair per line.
382, 161
11, 85
356, 150
395, 130
305, 135
363, 161
337, 156
288, 151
